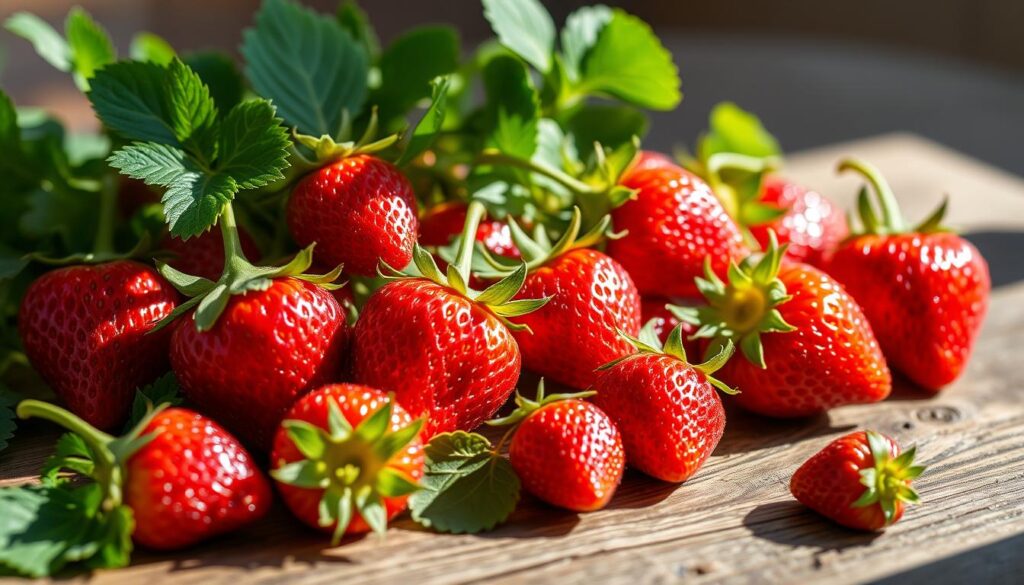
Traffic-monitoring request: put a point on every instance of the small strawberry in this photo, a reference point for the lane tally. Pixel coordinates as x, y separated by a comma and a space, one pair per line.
88, 331
737, 157
257, 339
346, 459
924, 289
806, 345
860, 480
441, 224
444, 349
592, 297
358, 209
184, 478
672, 224
565, 451
203, 255
667, 410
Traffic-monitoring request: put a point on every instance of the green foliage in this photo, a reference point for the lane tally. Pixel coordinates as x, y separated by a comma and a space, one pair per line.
163, 390
407, 68
147, 46
307, 64
512, 107
525, 27
84, 48
467, 487
357, 24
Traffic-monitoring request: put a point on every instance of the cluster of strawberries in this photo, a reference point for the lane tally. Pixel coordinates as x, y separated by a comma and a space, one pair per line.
361, 396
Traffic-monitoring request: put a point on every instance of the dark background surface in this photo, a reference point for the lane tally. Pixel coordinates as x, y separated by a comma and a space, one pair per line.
816, 72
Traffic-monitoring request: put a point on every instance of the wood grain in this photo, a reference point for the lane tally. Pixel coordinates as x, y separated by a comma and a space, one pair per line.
734, 521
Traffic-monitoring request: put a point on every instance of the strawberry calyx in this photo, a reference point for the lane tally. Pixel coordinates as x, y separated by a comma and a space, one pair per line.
595, 186
888, 480
350, 465
240, 276
326, 150
647, 342
498, 297
890, 221
538, 250
740, 310
525, 406
104, 457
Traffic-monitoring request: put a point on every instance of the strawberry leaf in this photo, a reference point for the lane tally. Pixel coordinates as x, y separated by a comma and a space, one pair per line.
43, 528
253, 145
734, 130
467, 487
512, 107
307, 64
611, 125
426, 129
357, 25
628, 62
579, 34
525, 27
151, 48
408, 66
163, 390
219, 73
48, 43
90, 46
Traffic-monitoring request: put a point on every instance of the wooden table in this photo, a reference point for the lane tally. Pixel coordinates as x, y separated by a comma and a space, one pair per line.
735, 520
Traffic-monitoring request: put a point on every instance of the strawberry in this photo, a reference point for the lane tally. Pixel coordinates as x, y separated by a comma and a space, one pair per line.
860, 480
184, 478
667, 410
648, 160
359, 209
812, 225
806, 344
88, 331
737, 158
346, 458
442, 223
280, 343
592, 298
444, 349
565, 451
673, 223
203, 255
257, 338
924, 289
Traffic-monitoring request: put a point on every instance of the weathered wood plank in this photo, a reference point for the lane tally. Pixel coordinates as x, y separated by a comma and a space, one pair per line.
734, 521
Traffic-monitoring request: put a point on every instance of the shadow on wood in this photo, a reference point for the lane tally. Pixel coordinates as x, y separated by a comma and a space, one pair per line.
996, 564
792, 524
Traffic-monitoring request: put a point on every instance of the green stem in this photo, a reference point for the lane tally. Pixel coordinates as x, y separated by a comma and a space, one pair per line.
891, 215
464, 257
96, 439
233, 254
495, 157
104, 243
731, 161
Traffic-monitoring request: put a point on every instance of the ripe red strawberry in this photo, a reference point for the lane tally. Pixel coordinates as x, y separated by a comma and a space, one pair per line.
359, 210
267, 348
87, 331
806, 345
812, 225
566, 451
860, 480
924, 289
667, 410
648, 159
444, 350
189, 482
440, 225
592, 298
203, 255
346, 458
671, 225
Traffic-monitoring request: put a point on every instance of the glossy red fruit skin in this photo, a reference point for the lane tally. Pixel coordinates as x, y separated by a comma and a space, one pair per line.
442, 223
359, 211
670, 416
193, 481
925, 295
85, 330
203, 255
813, 226
830, 360
266, 349
829, 482
674, 222
356, 403
444, 356
575, 332
569, 454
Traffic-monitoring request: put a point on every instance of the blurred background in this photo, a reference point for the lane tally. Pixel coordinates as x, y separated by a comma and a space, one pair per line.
816, 73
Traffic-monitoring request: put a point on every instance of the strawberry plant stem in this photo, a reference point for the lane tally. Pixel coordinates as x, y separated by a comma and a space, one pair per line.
103, 245
464, 257
495, 157
229, 231
891, 215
